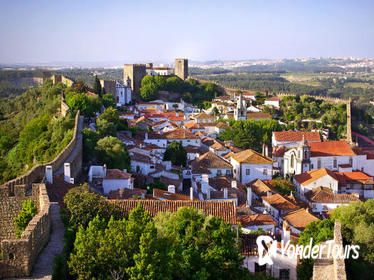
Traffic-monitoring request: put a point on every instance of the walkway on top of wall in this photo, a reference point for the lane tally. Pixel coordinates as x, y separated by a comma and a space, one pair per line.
43, 267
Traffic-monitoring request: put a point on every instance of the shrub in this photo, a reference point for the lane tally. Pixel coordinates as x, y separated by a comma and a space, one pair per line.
28, 211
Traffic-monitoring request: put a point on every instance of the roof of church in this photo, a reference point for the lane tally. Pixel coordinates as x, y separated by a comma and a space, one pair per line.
331, 148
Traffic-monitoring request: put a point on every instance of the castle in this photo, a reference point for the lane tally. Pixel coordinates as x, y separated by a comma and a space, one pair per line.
136, 72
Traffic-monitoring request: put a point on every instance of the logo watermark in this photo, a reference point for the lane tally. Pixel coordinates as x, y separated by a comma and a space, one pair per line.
268, 248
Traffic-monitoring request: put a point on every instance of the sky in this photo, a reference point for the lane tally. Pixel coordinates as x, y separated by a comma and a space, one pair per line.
48, 31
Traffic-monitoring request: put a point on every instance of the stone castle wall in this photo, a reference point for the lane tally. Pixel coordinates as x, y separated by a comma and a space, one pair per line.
136, 72
37, 173
19, 255
64, 108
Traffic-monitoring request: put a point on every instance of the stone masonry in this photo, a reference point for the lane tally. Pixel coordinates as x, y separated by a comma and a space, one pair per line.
19, 255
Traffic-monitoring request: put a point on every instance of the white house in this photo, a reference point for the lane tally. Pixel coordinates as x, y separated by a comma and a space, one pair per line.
178, 135
203, 118
272, 101
158, 70
109, 179
249, 165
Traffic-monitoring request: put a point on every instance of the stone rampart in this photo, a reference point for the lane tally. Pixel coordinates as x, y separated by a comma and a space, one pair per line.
19, 255
37, 173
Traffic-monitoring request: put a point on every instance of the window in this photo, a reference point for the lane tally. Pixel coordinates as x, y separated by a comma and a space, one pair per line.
152, 167
228, 172
350, 161
292, 160
335, 163
265, 171
219, 173
319, 164
247, 171
260, 268
306, 155
284, 274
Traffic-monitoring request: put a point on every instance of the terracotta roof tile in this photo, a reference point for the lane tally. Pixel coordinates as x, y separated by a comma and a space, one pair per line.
331, 148
204, 116
179, 133
296, 136
326, 195
299, 219
260, 188
279, 202
258, 115
310, 176
117, 174
250, 156
209, 160
125, 193
257, 220
223, 209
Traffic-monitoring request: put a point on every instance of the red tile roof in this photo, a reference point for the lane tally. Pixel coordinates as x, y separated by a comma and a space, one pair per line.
180, 133
252, 157
125, 193
296, 136
325, 195
279, 202
258, 115
310, 176
299, 219
331, 148
223, 209
117, 174
257, 220
208, 161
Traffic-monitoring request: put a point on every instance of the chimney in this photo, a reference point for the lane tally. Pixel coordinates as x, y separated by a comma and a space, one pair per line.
225, 193
104, 170
171, 188
234, 184
125, 170
249, 196
146, 136
286, 233
49, 174
71, 181
208, 194
205, 178
191, 193
67, 172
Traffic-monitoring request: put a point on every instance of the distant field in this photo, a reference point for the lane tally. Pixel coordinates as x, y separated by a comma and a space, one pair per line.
358, 85
306, 78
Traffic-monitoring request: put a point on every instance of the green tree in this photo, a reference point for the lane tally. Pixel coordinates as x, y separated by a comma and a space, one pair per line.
160, 82
199, 247
108, 100
83, 206
107, 123
97, 86
149, 92
176, 153
26, 214
112, 152
90, 139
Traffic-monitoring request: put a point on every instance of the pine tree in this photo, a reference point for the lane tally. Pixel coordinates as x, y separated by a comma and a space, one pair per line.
97, 86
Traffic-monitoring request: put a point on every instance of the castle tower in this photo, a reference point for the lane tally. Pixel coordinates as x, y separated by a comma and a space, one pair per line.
181, 68
136, 72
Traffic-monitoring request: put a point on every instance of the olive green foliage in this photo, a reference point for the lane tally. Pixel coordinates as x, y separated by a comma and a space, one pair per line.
112, 152
90, 139
82, 206
108, 100
182, 245
199, 247
250, 134
176, 153
156, 184
26, 214
107, 123
30, 132
192, 91
320, 231
296, 109
357, 221
283, 186
97, 86
87, 105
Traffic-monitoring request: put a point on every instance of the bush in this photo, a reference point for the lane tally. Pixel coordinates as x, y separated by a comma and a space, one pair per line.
28, 211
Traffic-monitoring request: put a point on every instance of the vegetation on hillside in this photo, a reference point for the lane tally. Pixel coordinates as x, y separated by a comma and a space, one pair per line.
31, 131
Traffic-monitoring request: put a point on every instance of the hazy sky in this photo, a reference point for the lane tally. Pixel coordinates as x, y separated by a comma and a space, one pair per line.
138, 30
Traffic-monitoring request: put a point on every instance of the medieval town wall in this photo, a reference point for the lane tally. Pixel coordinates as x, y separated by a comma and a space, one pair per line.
19, 255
